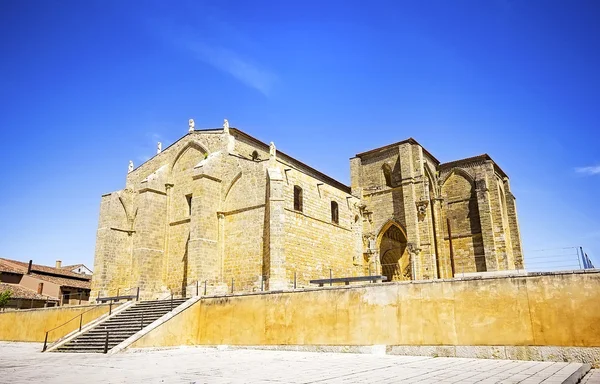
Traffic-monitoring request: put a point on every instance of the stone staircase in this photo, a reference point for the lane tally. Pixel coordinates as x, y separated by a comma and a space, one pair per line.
120, 326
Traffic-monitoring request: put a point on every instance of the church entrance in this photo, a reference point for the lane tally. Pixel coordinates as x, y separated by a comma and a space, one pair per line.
393, 255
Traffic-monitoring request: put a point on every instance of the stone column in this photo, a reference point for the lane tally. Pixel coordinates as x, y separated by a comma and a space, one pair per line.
497, 213
101, 254
276, 222
203, 253
487, 225
410, 198
221, 245
443, 255
515, 234
148, 244
167, 221
355, 177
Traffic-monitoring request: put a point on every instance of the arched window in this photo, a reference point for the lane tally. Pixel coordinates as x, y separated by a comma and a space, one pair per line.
297, 198
335, 216
387, 175
188, 198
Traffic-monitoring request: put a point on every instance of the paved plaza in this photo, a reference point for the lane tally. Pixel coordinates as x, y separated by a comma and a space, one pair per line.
23, 363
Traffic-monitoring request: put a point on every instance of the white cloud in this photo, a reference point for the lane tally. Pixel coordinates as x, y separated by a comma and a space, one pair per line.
230, 62
594, 170
208, 42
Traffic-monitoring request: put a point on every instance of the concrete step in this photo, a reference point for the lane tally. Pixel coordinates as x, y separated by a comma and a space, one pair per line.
94, 349
138, 314
134, 319
140, 311
79, 351
101, 336
121, 326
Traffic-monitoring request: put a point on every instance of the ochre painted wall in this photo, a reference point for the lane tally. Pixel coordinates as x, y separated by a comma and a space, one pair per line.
31, 325
541, 310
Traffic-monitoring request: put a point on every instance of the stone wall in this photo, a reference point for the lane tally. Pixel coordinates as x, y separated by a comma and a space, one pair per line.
558, 309
200, 211
314, 244
32, 324
403, 186
218, 205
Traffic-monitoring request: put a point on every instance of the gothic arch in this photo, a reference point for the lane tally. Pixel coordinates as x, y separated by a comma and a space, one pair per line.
128, 209
432, 181
387, 174
394, 259
233, 181
188, 146
457, 171
383, 229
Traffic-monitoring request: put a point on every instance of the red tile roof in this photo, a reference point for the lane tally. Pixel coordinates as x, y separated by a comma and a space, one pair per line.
70, 267
20, 292
63, 281
21, 267
6, 267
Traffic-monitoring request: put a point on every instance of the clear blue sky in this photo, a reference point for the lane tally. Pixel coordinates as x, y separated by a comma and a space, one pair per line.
85, 86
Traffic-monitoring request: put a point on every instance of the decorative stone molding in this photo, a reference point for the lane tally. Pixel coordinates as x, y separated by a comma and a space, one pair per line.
369, 243
422, 208
413, 249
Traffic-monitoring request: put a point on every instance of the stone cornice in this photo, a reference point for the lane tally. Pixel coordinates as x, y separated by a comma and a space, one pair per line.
181, 221
143, 190
203, 175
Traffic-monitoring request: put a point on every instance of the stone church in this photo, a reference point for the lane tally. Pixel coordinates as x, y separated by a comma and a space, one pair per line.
219, 206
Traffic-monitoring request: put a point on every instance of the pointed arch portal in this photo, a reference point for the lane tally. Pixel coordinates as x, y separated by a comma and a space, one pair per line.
393, 253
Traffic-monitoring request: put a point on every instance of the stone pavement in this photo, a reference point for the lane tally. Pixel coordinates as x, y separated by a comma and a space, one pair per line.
23, 363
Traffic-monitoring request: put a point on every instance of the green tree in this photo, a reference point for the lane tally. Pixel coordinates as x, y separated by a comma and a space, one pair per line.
4, 297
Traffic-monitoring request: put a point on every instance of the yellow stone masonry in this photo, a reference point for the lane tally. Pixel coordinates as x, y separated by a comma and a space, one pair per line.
220, 207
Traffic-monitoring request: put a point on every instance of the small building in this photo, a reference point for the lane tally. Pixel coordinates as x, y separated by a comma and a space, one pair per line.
34, 285
78, 268
25, 298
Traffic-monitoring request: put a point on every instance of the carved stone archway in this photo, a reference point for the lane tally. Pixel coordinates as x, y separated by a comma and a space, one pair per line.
394, 257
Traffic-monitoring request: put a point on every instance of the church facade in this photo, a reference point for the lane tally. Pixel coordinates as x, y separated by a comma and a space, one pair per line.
221, 207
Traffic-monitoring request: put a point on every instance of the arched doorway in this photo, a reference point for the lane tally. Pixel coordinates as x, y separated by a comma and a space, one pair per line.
393, 254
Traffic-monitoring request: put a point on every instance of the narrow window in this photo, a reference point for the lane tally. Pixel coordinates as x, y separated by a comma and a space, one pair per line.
297, 198
40, 288
335, 217
189, 202
387, 175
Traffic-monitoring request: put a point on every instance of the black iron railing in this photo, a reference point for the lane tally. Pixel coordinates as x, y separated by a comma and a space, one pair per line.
80, 317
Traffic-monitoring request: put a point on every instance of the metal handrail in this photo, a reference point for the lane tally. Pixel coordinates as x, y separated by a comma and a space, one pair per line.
80, 324
119, 297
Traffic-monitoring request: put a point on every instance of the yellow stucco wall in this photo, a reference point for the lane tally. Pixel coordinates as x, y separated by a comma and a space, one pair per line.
557, 310
32, 324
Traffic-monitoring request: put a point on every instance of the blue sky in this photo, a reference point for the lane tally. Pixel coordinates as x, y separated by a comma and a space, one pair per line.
88, 85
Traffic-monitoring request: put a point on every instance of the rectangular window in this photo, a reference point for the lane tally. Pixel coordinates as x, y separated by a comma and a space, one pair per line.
335, 216
189, 202
297, 198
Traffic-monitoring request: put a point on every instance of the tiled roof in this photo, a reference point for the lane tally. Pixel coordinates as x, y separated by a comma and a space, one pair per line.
6, 267
21, 267
20, 292
72, 267
69, 267
63, 281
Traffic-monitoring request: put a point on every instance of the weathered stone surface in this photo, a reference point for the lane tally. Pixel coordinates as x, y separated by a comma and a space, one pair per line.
221, 209
487, 317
